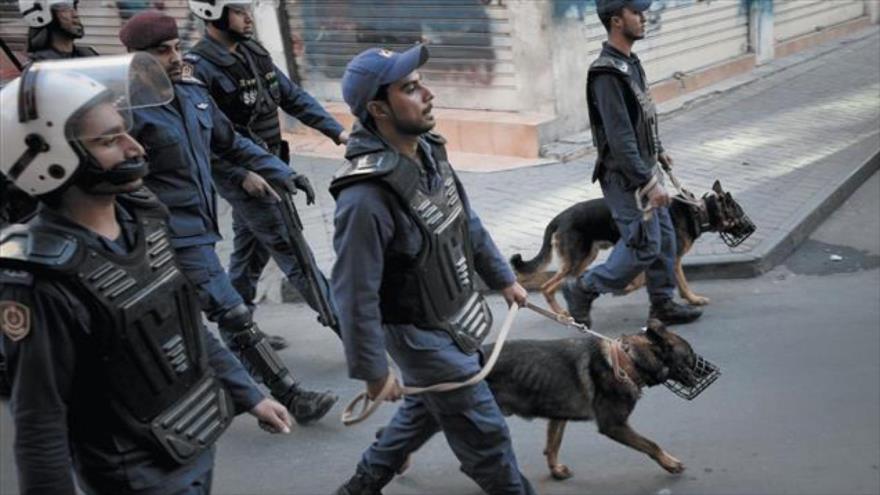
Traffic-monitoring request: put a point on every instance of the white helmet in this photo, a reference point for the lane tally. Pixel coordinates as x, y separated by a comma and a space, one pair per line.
36, 149
38, 13
211, 10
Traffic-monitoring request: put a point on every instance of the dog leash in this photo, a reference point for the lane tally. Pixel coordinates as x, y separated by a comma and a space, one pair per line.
616, 345
368, 406
683, 196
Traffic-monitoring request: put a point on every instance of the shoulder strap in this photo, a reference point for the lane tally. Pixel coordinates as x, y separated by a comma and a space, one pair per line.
26, 247
364, 167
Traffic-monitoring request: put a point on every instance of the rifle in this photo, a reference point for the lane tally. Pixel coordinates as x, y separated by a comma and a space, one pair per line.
12, 58
303, 255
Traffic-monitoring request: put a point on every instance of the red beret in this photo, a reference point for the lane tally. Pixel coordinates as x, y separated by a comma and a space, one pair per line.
147, 29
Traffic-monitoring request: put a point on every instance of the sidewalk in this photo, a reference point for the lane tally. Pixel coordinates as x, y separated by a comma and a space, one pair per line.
789, 141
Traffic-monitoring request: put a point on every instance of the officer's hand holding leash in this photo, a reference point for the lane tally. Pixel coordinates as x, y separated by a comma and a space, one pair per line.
272, 416
375, 388
388, 388
301, 182
256, 186
515, 293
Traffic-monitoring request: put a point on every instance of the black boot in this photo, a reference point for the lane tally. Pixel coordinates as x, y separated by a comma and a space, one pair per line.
364, 483
672, 313
579, 300
276, 342
308, 406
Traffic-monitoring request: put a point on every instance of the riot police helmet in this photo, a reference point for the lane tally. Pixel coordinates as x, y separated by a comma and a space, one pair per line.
40, 146
212, 10
38, 13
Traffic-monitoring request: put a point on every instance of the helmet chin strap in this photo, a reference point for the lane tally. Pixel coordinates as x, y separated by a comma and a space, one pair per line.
94, 179
90, 177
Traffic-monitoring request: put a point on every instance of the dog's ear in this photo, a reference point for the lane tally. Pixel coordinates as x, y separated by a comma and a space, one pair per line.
717, 187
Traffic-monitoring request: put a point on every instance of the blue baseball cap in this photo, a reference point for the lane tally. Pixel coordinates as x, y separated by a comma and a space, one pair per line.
604, 7
374, 68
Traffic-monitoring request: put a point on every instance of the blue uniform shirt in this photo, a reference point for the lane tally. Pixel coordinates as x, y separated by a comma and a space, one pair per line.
179, 138
293, 99
371, 226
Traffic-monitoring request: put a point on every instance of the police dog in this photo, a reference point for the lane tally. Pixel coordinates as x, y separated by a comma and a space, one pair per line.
580, 231
586, 378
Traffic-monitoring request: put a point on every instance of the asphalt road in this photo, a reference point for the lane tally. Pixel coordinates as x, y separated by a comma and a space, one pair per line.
797, 409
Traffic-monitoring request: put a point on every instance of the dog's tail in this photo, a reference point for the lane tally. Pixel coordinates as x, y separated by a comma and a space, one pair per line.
543, 257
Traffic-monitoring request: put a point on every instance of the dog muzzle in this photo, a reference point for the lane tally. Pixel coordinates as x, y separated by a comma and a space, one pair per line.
742, 226
702, 374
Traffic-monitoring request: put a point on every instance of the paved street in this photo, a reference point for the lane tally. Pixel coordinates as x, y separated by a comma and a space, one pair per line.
796, 411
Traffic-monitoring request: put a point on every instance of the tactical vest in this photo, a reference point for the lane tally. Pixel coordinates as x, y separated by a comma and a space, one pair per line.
434, 288
252, 105
145, 325
646, 127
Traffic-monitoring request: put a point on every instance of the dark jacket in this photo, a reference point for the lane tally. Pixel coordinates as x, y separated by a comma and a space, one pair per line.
619, 117
180, 138
373, 227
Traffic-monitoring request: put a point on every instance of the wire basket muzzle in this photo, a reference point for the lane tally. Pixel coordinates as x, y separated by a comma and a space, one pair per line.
702, 374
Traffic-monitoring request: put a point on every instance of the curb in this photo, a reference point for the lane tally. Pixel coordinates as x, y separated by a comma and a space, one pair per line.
778, 248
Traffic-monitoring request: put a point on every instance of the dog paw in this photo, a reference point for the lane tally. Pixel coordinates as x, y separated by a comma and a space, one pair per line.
670, 464
561, 472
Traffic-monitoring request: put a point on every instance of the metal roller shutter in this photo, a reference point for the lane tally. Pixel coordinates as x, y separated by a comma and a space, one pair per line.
683, 35
102, 20
793, 18
471, 62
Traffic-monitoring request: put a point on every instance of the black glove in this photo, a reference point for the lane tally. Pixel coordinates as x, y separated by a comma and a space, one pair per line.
301, 182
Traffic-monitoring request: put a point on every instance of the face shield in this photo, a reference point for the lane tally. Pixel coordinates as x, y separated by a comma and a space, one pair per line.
62, 104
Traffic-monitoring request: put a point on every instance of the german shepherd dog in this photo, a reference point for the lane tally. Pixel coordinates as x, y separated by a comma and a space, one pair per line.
580, 231
575, 380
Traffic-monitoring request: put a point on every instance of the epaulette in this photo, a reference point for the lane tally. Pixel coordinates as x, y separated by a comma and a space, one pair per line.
8, 276
192, 80
25, 247
363, 167
606, 63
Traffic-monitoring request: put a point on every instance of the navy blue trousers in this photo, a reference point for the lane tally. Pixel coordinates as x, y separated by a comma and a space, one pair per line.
644, 246
469, 418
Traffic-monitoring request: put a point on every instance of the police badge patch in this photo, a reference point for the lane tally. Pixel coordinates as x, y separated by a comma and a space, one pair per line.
15, 320
186, 70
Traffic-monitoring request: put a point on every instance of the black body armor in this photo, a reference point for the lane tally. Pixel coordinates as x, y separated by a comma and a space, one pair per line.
145, 323
252, 102
434, 288
646, 127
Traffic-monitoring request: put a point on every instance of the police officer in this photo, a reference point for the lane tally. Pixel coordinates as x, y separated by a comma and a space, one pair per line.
624, 124
53, 28
249, 88
180, 137
53, 25
116, 377
408, 248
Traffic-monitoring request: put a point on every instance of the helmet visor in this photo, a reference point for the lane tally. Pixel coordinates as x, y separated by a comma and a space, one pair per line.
106, 90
